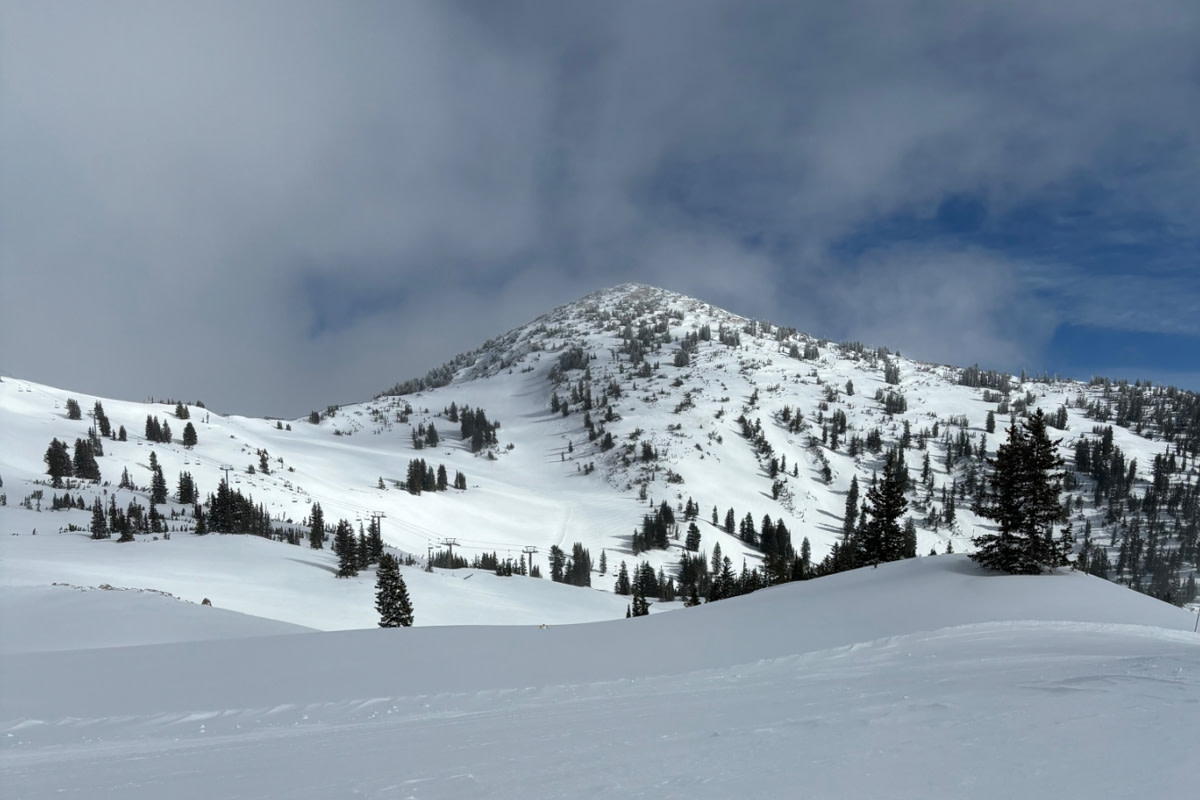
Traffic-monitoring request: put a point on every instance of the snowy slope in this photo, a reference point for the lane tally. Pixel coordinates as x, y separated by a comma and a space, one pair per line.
546, 482
61, 617
921, 679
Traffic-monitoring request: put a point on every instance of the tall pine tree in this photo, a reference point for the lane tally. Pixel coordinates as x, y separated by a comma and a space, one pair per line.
99, 520
391, 595
1023, 499
883, 538
346, 548
316, 528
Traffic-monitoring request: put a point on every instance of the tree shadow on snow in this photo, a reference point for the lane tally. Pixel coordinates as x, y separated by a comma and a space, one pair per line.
326, 567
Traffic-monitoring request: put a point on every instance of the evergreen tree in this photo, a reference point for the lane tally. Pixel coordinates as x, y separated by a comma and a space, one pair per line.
362, 551
414, 480
374, 541
102, 423
622, 585
73, 409
693, 538
316, 529
58, 462
186, 489
639, 607
121, 435
391, 595
346, 548
1023, 499
84, 462
883, 539
189, 435
158, 486
558, 562
850, 519
99, 521
747, 531
126, 532
580, 566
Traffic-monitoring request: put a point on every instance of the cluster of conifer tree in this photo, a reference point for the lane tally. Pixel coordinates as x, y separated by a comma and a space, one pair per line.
873, 533
157, 431
357, 552
425, 436
644, 582
976, 378
702, 579
102, 423
1023, 499
66, 502
505, 568
475, 426
229, 511
656, 531
575, 569
446, 559
1155, 530
435, 378
186, 492
158, 482
61, 463
1166, 412
756, 435
893, 401
422, 477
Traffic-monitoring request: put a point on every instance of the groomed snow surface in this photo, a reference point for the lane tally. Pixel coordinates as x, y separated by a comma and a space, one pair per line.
919, 679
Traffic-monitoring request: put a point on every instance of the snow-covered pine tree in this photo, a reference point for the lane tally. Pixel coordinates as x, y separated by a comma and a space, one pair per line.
1023, 498
391, 595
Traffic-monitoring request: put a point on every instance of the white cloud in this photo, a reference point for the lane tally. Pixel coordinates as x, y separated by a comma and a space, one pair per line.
172, 172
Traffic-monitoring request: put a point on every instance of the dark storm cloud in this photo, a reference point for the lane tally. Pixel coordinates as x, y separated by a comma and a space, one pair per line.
279, 205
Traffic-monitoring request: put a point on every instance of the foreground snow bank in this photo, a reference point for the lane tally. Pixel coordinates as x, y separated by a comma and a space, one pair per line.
924, 679
47, 618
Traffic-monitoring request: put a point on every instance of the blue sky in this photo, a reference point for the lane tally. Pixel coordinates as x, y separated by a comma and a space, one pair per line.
277, 205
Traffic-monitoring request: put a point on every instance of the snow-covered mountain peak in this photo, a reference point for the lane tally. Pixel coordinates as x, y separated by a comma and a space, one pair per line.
584, 425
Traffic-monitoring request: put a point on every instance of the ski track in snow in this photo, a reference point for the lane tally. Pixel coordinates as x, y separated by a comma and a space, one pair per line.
925, 715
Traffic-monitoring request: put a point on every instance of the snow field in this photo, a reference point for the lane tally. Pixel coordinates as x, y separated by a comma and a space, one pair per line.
922, 679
